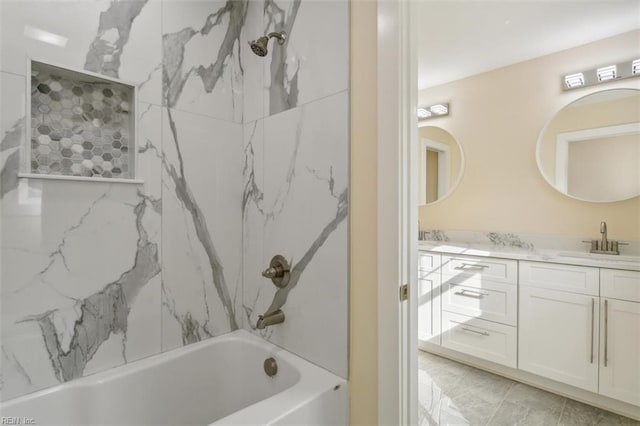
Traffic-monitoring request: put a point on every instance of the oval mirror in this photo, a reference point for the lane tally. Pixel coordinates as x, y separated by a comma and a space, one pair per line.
440, 165
590, 150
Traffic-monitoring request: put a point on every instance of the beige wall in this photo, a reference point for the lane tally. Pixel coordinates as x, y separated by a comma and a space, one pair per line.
497, 117
363, 363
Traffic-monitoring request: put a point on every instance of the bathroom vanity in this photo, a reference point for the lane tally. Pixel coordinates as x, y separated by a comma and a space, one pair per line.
566, 322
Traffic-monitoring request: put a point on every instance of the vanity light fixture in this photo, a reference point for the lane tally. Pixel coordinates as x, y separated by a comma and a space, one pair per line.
607, 73
423, 113
440, 109
603, 74
574, 80
433, 111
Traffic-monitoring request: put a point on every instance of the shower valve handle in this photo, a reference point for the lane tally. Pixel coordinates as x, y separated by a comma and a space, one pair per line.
274, 272
278, 271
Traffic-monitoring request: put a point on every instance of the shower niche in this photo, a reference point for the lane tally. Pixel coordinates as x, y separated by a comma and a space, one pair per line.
81, 126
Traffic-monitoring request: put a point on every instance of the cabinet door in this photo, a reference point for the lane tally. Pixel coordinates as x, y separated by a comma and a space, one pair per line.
558, 336
429, 306
620, 350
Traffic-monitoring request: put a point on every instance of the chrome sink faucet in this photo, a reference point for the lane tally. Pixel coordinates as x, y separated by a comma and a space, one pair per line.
604, 246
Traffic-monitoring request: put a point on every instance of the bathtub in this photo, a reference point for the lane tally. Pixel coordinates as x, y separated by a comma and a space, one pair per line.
220, 381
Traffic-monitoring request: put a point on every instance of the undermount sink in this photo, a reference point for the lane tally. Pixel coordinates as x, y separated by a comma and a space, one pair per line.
596, 256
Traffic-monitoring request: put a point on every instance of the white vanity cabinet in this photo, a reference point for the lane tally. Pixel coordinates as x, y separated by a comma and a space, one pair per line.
573, 324
620, 335
429, 297
479, 307
559, 323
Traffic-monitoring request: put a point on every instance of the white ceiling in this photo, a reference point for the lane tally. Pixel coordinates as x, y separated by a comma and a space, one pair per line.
458, 39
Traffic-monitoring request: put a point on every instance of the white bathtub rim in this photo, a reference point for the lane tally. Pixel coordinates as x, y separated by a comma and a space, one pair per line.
111, 374
314, 380
311, 382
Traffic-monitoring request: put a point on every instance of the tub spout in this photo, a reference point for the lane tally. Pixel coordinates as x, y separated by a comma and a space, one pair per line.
273, 318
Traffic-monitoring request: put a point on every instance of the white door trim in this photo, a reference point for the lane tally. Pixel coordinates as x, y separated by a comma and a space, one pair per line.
563, 140
397, 214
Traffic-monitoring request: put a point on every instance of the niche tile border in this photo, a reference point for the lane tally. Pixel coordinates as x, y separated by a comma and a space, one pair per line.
82, 126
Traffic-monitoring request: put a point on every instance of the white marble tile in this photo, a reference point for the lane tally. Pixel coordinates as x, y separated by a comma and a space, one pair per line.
12, 113
141, 59
305, 171
202, 219
26, 366
202, 71
314, 62
144, 335
78, 28
111, 38
76, 257
253, 82
253, 218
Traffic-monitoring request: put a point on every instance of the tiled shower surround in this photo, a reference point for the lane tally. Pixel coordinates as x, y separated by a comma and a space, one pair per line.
79, 126
242, 158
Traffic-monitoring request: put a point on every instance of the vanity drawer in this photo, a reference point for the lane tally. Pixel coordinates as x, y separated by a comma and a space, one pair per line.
428, 261
499, 270
487, 300
570, 278
619, 284
483, 339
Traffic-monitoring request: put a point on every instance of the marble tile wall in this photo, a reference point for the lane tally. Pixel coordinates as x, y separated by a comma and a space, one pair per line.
296, 168
87, 281
242, 157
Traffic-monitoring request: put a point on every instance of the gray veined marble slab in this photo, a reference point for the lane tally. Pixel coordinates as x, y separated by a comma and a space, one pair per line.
202, 71
81, 274
253, 214
111, 38
68, 311
12, 129
298, 208
312, 64
202, 168
253, 83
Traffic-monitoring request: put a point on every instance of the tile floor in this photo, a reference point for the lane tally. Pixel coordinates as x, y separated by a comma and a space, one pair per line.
455, 394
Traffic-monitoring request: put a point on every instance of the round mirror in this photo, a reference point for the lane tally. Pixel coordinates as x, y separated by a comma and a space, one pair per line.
590, 150
440, 165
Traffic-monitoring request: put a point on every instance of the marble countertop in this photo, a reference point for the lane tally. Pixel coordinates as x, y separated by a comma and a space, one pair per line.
631, 263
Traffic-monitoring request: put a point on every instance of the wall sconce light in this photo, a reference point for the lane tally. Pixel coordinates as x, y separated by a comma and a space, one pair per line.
601, 75
433, 111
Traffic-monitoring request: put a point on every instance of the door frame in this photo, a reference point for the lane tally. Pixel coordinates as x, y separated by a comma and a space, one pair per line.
397, 224
444, 172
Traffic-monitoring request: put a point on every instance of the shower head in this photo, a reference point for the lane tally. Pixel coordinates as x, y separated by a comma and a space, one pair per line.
259, 46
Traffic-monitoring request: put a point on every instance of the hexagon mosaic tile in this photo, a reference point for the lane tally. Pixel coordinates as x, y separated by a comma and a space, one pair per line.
80, 125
